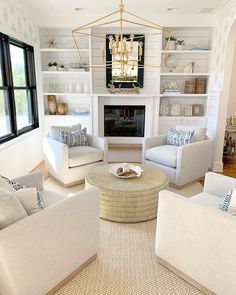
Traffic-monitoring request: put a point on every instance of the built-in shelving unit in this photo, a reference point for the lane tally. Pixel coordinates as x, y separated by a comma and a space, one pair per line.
64, 83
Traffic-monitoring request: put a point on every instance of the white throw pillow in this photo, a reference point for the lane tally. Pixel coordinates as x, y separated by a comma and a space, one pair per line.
28, 199
55, 130
11, 209
34, 193
199, 132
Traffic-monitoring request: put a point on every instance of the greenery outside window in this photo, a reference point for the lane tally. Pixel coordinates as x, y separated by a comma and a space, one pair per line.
18, 99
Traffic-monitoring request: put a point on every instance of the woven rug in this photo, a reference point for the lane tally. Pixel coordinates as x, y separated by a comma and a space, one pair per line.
126, 263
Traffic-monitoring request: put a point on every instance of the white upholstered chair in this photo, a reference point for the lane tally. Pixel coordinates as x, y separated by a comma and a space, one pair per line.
183, 164
197, 241
39, 251
70, 165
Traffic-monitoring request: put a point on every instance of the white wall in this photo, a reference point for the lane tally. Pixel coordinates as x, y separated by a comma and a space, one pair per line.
21, 155
232, 95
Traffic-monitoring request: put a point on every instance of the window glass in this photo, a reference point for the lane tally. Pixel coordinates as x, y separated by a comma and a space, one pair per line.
1, 82
18, 65
5, 123
23, 109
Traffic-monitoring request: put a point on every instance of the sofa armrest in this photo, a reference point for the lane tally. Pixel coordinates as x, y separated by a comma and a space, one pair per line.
39, 251
193, 160
218, 184
150, 142
100, 143
34, 179
194, 240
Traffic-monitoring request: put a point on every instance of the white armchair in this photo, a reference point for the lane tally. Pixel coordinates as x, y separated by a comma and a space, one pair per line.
40, 251
183, 164
195, 240
70, 165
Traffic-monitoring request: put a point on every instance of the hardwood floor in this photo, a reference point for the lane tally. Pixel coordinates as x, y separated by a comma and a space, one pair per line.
230, 167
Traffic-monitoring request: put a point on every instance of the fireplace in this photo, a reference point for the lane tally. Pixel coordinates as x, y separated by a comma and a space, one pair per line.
123, 121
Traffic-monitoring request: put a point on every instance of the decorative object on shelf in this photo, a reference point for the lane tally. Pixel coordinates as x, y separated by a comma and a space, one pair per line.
189, 87
61, 68
179, 44
171, 63
70, 87
80, 112
233, 120
51, 43
164, 108
86, 86
52, 104
200, 85
171, 42
79, 87
175, 109
197, 109
62, 108
52, 66
112, 89
189, 68
201, 45
171, 88
121, 47
188, 110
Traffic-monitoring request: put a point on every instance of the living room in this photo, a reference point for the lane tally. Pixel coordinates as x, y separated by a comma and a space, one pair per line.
117, 147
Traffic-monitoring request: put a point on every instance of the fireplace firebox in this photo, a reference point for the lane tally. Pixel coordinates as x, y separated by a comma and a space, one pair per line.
125, 120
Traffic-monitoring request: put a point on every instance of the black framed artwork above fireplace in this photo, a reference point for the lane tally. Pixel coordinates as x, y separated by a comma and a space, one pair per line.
124, 121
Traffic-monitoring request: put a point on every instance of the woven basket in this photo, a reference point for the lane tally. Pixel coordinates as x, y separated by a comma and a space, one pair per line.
189, 87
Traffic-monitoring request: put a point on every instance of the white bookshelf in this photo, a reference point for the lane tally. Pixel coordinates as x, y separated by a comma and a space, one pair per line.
185, 95
187, 51
184, 74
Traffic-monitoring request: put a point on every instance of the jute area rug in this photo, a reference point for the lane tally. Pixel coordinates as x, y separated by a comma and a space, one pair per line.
126, 263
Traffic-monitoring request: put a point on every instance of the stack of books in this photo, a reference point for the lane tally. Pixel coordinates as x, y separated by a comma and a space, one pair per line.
170, 91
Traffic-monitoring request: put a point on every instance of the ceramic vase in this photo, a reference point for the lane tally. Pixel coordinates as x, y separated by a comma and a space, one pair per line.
52, 104
62, 108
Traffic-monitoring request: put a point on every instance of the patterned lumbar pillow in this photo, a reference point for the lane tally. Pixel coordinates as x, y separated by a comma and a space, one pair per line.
74, 138
55, 130
228, 204
32, 201
179, 137
11, 209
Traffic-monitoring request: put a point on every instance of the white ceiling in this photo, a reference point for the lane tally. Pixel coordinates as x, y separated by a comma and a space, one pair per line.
62, 7
62, 12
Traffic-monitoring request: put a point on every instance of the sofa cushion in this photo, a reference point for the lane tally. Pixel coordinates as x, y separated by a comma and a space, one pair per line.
54, 132
29, 199
73, 138
179, 138
199, 132
11, 209
82, 155
206, 200
33, 193
228, 203
164, 154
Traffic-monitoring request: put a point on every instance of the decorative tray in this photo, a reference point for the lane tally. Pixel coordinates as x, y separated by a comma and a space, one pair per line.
131, 172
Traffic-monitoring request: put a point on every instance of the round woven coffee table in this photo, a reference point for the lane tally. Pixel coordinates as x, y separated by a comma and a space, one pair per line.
128, 200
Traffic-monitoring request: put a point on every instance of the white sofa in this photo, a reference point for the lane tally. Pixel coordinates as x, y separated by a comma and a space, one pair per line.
41, 250
70, 165
183, 164
196, 240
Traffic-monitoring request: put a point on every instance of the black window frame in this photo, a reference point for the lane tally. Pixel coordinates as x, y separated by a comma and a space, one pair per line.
8, 85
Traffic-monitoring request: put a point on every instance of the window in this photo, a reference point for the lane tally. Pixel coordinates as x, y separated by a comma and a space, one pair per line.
18, 100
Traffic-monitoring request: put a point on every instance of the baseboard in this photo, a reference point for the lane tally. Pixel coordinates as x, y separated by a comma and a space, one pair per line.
73, 274
185, 277
218, 167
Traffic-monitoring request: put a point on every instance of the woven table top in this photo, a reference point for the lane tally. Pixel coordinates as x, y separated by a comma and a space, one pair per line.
151, 179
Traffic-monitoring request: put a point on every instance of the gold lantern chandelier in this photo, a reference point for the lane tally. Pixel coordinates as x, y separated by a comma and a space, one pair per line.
124, 55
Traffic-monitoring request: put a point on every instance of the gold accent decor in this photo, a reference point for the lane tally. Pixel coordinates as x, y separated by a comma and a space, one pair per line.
121, 47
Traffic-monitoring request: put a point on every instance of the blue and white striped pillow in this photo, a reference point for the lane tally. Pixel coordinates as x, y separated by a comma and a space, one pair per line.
73, 138
224, 204
179, 137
